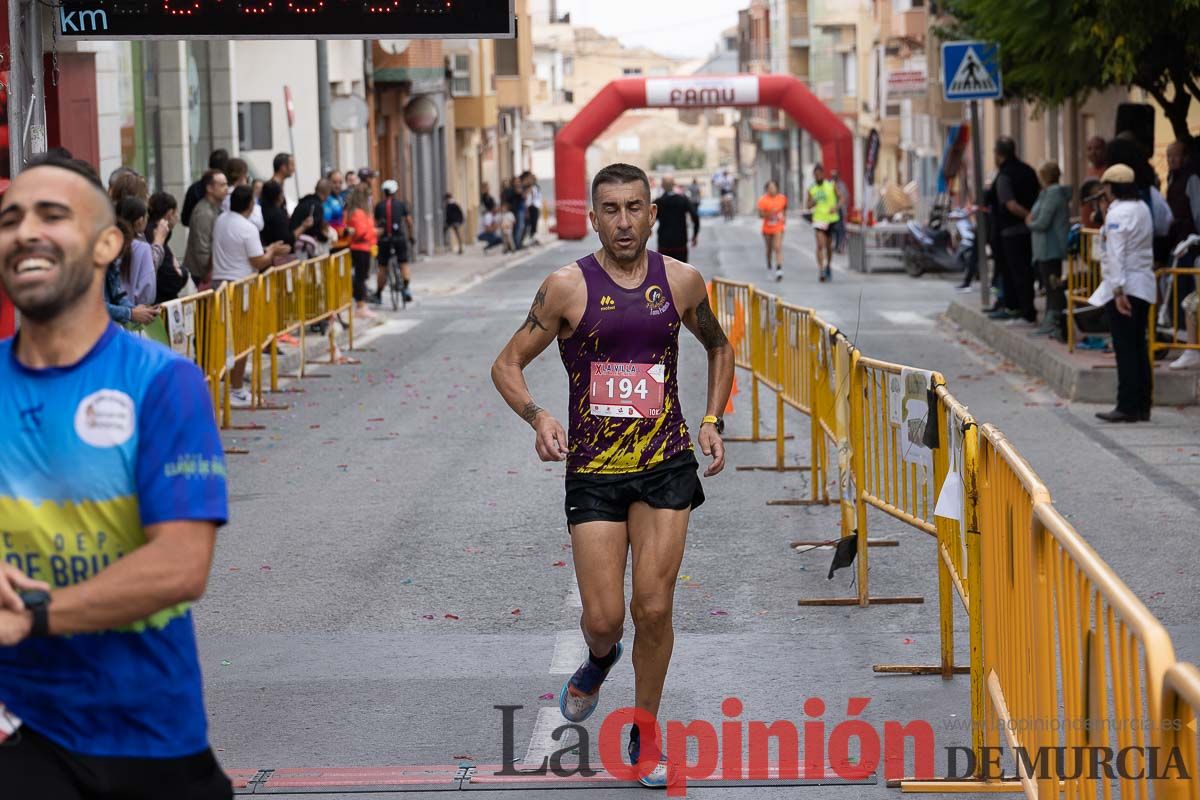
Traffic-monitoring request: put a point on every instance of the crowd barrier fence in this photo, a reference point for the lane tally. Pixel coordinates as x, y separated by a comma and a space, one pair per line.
1054, 635
245, 319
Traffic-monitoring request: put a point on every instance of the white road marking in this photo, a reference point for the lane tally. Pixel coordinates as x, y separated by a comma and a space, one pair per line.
542, 743
906, 318
573, 598
569, 652
391, 327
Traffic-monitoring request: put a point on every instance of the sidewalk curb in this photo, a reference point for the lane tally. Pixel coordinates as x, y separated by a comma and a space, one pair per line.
1069, 378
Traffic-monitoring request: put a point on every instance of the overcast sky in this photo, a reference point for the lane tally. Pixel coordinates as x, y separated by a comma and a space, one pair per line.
687, 28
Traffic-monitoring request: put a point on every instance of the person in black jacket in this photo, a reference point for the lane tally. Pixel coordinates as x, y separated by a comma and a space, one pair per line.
394, 221
276, 226
172, 277
673, 212
195, 192
312, 207
454, 222
1010, 198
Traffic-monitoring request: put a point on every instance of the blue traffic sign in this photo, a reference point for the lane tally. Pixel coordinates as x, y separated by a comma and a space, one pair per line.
971, 71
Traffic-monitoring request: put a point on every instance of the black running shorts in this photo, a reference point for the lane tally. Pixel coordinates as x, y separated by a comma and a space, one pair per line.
673, 484
388, 246
32, 766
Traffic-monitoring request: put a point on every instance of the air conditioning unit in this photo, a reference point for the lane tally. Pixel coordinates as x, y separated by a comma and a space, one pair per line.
504, 123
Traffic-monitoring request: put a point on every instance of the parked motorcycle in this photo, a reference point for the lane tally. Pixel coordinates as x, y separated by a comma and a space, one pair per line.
934, 248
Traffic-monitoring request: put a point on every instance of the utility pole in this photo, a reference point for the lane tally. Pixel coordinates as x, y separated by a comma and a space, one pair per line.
26, 92
324, 101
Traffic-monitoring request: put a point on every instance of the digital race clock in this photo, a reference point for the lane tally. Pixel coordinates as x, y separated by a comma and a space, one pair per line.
284, 19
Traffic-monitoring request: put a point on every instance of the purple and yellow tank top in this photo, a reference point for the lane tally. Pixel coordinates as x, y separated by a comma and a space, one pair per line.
622, 364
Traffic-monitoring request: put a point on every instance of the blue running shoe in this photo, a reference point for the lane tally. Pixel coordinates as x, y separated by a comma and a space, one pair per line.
660, 777
581, 693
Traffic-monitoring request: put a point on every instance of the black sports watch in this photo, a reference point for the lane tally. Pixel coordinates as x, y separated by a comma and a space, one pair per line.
37, 602
719, 422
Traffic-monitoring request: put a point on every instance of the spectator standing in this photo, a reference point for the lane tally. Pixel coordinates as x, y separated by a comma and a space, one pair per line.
1009, 198
276, 225
394, 221
173, 280
839, 227
351, 182
693, 194
98, 660
312, 207
514, 196
334, 204
489, 227
1183, 198
195, 193
363, 239
1049, 223
533, 211
1126, 290
125, 182
197, 258
237, 173
1097, 162
284, 166
237, 253
674, 209
454, 222
138, 279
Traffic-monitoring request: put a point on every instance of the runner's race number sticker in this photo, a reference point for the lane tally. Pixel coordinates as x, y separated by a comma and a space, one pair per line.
633, 391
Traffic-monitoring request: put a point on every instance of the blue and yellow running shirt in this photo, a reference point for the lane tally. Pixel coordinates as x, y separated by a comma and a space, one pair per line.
91, 454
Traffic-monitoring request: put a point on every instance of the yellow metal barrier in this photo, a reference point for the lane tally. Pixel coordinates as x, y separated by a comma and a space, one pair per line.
1181, 709
1083, 276
283, 313
193, 334
1055, 637
1174, 274
241, 300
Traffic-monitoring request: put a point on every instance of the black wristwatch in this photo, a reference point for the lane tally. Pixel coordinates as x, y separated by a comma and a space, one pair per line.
719, 422
37, 602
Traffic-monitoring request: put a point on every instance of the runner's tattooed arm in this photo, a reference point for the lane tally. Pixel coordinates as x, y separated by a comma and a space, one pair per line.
708, 330
532, 323
546, 319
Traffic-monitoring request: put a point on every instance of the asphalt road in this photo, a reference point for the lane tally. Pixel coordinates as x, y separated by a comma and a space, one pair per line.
397, 563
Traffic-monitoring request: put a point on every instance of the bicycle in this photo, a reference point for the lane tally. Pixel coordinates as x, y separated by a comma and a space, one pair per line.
396, 283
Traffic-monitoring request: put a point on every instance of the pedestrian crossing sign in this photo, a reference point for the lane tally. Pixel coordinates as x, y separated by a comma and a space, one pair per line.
971, 71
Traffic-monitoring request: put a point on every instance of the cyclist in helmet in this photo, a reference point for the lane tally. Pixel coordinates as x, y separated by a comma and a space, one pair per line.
395, 222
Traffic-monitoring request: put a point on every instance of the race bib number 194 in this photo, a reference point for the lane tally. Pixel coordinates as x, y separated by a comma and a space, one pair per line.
633, 391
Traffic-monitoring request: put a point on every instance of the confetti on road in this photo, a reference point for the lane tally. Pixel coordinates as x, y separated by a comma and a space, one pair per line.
452, 616
516, 612
226, 663
427, 616
546, 696
718, 613
559, 564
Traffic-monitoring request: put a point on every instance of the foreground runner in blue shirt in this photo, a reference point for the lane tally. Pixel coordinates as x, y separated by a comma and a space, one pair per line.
112, 485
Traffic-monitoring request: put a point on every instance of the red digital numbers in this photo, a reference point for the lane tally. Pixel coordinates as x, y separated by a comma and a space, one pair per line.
305, 6
381, 6
256, 7
180, 8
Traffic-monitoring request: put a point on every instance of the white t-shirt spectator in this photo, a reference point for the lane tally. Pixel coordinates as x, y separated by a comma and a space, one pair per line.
234, 242
486, 222
256, 216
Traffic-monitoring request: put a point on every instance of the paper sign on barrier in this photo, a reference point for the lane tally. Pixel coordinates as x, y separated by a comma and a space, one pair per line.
950, 498
246, 297
189, 320
287, 279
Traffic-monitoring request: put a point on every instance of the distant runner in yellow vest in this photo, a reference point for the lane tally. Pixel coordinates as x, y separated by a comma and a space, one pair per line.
824, 201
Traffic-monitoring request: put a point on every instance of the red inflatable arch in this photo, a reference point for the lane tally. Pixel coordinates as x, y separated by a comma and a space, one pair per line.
707, 91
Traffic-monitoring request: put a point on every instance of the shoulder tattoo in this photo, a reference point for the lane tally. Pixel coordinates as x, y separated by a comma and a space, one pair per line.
532, 323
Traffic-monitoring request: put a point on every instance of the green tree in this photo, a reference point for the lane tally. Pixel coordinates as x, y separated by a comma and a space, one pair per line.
1055, 50
679, 156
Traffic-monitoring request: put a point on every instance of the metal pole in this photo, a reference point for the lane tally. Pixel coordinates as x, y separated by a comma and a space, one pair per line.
981, 220
18, 87
36, 123
324, 124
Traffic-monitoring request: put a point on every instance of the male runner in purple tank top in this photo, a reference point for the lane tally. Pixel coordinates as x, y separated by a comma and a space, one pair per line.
631, 470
